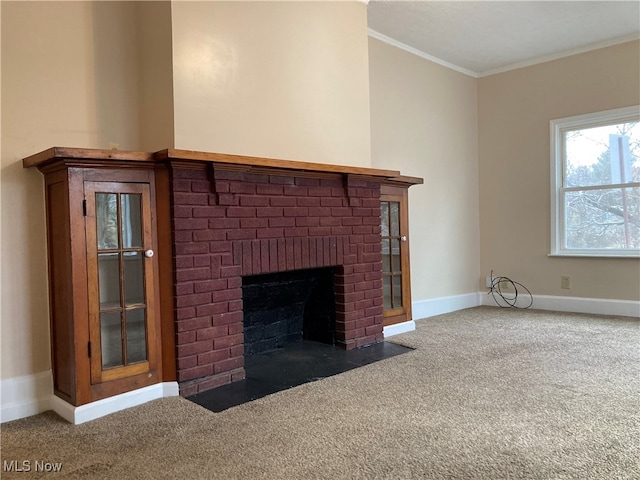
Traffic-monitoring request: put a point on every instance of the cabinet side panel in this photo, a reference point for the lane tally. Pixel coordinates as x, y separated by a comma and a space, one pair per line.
166, 275
61, 300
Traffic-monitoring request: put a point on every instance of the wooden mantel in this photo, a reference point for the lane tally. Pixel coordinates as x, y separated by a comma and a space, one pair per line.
89, 156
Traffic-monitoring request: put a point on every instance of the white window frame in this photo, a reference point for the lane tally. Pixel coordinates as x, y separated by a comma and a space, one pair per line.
558, 127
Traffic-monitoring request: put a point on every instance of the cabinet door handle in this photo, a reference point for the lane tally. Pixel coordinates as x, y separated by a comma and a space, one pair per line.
148, 253
403, 238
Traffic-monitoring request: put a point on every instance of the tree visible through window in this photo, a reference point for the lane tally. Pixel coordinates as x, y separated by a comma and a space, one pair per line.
596, 191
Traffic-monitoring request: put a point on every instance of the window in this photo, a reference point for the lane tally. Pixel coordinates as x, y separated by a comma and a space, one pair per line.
595, 184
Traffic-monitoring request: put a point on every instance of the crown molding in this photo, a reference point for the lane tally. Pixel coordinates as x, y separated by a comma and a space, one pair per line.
513, 66
559, 55
419, 53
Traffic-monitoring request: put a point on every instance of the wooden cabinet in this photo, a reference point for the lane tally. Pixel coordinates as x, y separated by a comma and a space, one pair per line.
103, 275
396, 277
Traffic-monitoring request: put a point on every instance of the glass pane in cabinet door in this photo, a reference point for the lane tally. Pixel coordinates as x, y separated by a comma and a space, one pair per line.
130, 206
386, 256
386, 288
111, 339
136, 336
133, 278
384, 214
107, 220
395, 219
395, 255
109, 280
397, 291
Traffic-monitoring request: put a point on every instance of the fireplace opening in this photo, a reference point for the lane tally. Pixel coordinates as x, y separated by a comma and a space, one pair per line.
285, 307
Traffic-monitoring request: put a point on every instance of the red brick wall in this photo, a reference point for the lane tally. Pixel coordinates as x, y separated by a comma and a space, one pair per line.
228, 224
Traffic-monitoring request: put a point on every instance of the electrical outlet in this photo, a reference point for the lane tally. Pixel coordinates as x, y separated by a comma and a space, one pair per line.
487, 281
565, 282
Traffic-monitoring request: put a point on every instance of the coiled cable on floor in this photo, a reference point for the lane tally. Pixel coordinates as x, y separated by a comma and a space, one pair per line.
507, 299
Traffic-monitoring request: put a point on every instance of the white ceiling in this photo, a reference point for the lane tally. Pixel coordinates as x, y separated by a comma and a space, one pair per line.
484, 37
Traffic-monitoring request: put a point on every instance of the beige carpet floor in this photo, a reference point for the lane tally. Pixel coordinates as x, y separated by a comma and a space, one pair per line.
487, 393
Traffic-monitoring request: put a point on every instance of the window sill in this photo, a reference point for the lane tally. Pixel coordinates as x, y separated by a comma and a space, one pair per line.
635, 256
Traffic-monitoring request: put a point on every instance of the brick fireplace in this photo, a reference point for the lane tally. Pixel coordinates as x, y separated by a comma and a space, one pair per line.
231, 222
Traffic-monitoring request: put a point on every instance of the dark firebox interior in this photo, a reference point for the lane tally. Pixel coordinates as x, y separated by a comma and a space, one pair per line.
286, 307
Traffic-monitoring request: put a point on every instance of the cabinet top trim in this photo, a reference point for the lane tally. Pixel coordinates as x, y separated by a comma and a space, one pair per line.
56, 154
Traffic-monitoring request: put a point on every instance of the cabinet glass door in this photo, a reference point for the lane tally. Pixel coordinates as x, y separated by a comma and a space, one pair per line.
391, 264
119, 249
395, 255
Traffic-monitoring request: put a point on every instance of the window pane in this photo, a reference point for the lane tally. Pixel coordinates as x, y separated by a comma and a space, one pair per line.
603, 219
107, 220
131, 220
109, 280
136, 336
602, 155
133, 280
111, 339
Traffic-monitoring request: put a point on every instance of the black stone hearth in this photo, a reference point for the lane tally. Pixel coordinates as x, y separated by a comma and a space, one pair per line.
285, 307
295, 364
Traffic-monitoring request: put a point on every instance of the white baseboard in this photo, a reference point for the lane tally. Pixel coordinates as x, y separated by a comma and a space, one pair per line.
399, 328
438, 306
25, 396
100, 408
598, 306
32, 394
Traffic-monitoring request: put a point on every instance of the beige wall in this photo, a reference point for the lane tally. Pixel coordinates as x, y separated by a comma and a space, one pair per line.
155, 70
424, 123
514, 113
69, 78
274, 79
